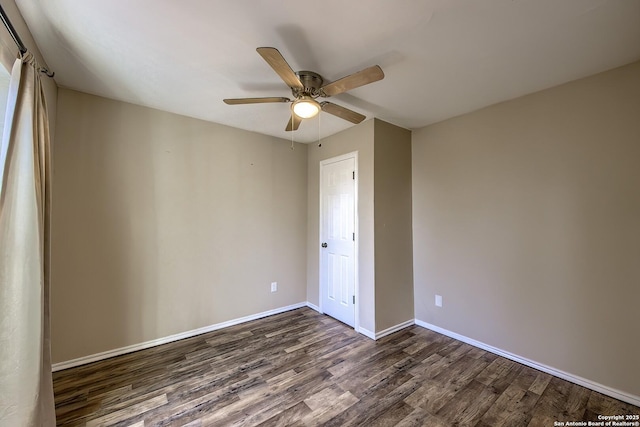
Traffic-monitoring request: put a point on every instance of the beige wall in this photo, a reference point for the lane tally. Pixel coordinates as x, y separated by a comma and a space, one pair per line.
163, 224
392, 212
357, 138
527, 221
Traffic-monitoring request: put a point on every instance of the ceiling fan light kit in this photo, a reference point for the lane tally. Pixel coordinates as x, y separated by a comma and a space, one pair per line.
305, 107
306, 86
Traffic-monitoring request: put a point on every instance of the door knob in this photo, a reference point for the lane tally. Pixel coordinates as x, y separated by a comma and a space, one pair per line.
324, 245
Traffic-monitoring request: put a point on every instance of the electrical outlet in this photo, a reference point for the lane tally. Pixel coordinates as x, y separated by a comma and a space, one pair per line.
274, 286
438, 300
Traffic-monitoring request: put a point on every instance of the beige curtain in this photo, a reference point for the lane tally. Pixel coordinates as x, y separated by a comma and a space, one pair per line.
26, 391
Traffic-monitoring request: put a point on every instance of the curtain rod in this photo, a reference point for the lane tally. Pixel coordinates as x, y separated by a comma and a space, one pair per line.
16, 38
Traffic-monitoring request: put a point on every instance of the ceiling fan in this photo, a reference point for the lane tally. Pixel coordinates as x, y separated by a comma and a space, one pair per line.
307, 86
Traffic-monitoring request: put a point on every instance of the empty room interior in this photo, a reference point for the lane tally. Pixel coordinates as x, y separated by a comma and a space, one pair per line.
335, 213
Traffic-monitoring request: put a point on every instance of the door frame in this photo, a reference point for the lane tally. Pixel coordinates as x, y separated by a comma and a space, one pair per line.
356, 285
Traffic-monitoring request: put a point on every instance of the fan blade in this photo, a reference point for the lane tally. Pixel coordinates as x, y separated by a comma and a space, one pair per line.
280, 66
237, 101
361, 78
343, 113
294, 123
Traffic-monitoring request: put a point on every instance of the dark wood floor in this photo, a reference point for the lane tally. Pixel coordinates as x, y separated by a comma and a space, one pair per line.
305, 369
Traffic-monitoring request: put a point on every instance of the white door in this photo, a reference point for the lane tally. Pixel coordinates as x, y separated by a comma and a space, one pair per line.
337, 238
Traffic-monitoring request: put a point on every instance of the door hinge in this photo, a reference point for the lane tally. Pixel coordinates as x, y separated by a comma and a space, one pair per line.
353, 174
354, 236
354, 299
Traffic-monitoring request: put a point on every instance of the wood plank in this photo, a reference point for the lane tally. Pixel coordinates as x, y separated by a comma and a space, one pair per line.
469, 405
512, 408
128, 412
420, 417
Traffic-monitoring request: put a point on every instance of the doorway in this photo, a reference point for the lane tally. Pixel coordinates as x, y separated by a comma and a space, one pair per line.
338, 240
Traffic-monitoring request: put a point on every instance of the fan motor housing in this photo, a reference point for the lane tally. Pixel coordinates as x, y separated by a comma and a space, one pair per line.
311, 83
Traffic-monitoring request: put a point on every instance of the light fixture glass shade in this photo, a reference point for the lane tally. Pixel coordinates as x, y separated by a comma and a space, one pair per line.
305, 108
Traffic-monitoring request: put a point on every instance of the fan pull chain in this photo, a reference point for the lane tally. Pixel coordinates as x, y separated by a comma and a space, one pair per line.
319, 116
292, 148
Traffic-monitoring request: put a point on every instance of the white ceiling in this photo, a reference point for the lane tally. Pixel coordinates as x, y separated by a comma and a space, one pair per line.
441, 58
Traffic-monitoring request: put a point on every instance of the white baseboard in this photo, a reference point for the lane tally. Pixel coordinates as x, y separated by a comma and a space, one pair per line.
377, 335
188, 334
367, 333
314, 307
600, 388
395, 328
